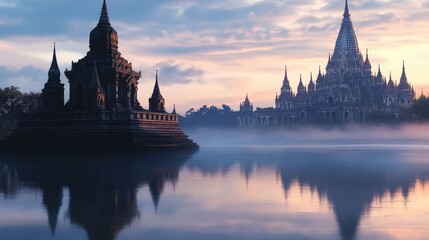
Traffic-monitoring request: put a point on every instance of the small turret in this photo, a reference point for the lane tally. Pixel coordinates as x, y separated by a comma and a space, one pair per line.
174, 109
311, 86
390, 84
156, 102
367, 66
53, 92
246, 106
301, 88
286, 83
404, 80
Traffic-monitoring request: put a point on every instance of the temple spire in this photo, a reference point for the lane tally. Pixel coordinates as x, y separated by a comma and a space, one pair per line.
346, 10
156, 88
156, 102
174, 109
54, 71
404, 79
286, 80
104, 17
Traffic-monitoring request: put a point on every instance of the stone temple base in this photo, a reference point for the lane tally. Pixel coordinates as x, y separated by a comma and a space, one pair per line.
86, 130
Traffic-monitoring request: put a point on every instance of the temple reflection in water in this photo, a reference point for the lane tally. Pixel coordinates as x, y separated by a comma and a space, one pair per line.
103, 197
350, 182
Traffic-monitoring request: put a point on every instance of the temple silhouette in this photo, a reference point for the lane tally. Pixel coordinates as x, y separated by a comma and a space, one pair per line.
346, 93
103, 109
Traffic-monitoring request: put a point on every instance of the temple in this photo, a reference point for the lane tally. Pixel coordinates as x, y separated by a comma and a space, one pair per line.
103, 109
348, 92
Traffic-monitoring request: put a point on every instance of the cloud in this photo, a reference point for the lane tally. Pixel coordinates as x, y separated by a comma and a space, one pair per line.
27, 78
244, 41
171, 73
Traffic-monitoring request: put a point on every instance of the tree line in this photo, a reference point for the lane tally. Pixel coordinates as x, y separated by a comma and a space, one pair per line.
13, 102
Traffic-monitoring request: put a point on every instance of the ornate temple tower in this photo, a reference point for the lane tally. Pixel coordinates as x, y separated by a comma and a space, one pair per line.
53, 92
156, 102
347, 59
405, 91
117, 79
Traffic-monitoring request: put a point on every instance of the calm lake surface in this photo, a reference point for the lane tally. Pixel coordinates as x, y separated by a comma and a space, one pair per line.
256, 186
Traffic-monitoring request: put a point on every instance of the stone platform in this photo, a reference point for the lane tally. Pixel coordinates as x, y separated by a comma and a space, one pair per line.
130, 130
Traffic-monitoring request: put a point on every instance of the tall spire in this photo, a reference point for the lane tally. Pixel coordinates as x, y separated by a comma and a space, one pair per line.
54, 71
104, 17
156, 102
346, 10
390, 80
174, 109
156, 88
404, 80
379, 75
286, 80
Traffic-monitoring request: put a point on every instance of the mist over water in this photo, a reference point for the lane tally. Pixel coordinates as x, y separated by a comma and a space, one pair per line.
354, 183
408, 134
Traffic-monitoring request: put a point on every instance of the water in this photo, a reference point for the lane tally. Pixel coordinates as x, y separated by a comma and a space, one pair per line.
230, 189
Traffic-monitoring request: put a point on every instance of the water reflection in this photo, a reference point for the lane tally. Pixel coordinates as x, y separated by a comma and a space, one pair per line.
351, 178
103, 190
102, 193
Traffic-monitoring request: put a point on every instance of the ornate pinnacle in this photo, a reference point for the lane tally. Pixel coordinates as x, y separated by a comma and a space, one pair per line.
346, 10
104, 17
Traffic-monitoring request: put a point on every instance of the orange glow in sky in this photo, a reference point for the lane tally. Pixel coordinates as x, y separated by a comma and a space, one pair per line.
219, 51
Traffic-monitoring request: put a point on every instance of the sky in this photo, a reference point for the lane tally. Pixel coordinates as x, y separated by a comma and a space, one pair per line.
213, 52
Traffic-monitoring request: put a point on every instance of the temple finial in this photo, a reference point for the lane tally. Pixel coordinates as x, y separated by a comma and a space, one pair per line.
174, 109
54, 71
346, 10
156, 90
104, 17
